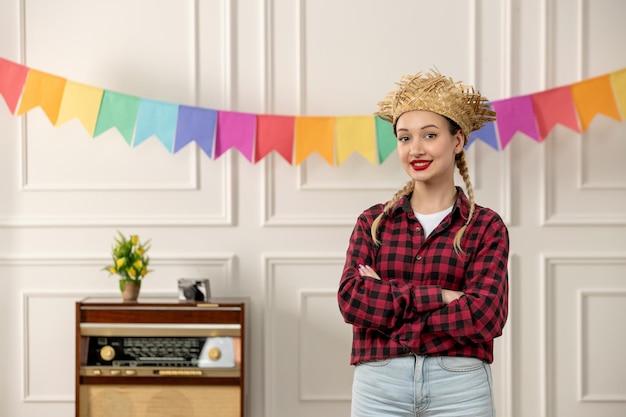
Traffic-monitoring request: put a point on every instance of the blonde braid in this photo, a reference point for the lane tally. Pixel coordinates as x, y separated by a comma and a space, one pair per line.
404, 191
462, 165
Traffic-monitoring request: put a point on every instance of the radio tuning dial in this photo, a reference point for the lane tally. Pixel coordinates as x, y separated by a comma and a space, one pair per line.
107, 353
215, 353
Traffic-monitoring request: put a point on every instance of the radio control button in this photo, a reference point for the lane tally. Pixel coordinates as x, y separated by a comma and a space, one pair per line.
107, 353
115, 372
130, 372
96, 372
215, 353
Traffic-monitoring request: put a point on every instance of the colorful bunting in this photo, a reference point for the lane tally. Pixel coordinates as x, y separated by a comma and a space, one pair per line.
82, 102
552, 107
294, 138
42, 90
592, 97
517, 115
196, 124
274, 133
119, 111
486, 134
12, 79
314, 134
355, 134
235, 130
386, 139
156, 118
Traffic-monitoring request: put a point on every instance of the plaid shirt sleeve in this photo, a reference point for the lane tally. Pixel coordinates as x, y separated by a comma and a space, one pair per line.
370, 303
479, 316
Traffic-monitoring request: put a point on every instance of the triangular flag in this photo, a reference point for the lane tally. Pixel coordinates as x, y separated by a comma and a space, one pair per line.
314, 134
119, 111
196, 124
515, 115
594, 96
355, 134
12, 79
80, 101
45, 90
552, 107
618, 81
156, 118
386, 140
235, 130
274, 133
486, 134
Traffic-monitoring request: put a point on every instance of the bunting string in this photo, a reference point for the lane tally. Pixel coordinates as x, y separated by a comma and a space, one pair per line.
294, 138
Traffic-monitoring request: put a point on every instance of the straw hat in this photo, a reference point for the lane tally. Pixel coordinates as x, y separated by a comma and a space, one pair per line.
438, 94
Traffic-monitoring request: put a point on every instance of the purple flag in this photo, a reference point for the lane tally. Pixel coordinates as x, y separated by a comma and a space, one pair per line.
195, 124
487, 134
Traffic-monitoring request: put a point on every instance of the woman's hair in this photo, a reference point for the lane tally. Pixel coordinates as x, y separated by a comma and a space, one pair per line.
461, 164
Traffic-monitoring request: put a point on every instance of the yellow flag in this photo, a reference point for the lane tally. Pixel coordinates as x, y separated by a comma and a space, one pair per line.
594, 96
355, 134
45, 90
618, 81
80, 101
314, 134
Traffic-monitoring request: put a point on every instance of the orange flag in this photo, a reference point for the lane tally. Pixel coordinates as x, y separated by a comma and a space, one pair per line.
618, 81
355, 134
45, 90
80, 101
314, 134
594, 96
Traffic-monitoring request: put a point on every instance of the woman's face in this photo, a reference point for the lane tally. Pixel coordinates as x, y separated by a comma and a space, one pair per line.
426, 147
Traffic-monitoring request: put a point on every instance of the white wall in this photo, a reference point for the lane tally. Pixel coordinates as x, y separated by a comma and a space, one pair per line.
278, 233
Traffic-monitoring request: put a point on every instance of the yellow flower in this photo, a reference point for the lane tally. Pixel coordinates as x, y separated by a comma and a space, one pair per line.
138, 264
112, 270
120, 262
134, 239
144, 272
132, 273
140, 251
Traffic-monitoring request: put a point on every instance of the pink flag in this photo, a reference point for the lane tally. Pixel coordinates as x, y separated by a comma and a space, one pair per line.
235, 130
515, 115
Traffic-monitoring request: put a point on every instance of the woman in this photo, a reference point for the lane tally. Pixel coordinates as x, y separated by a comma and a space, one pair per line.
425, 284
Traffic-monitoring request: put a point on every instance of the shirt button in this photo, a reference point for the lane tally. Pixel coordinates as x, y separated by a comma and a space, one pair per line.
418, 229
418, 257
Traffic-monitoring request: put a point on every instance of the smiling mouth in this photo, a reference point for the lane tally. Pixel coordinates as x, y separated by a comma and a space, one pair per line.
420, 165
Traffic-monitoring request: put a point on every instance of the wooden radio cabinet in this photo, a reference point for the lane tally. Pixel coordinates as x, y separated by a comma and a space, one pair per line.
160, 357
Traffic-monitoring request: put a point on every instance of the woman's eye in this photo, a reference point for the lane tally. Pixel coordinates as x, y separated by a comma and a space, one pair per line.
430, 135
403, 138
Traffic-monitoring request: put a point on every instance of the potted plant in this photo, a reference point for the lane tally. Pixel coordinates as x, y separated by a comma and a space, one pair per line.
130, 264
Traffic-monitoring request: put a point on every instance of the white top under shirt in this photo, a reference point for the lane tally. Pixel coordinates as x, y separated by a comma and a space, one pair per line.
430, 221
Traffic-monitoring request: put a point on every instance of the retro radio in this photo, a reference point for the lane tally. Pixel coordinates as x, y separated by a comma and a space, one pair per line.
160, 357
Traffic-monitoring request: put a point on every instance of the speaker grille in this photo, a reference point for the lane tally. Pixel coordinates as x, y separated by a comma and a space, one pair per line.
159, 401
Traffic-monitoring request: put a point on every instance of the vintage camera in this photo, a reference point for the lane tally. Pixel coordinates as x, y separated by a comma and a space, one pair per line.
191, 289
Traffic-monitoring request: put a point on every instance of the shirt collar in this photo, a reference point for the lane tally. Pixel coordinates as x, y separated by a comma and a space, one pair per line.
461, 204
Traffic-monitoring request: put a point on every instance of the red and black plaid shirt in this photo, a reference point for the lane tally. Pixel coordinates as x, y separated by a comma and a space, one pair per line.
403, 313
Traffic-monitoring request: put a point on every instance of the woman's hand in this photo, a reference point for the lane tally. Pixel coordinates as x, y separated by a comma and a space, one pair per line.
367, 271
449, 295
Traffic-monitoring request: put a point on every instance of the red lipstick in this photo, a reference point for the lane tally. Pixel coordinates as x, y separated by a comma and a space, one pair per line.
419, 164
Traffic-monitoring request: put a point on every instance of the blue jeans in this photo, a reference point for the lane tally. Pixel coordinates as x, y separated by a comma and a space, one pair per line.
424, 386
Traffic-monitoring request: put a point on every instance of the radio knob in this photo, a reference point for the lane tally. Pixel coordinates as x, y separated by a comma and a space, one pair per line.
215, 353
107, 353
